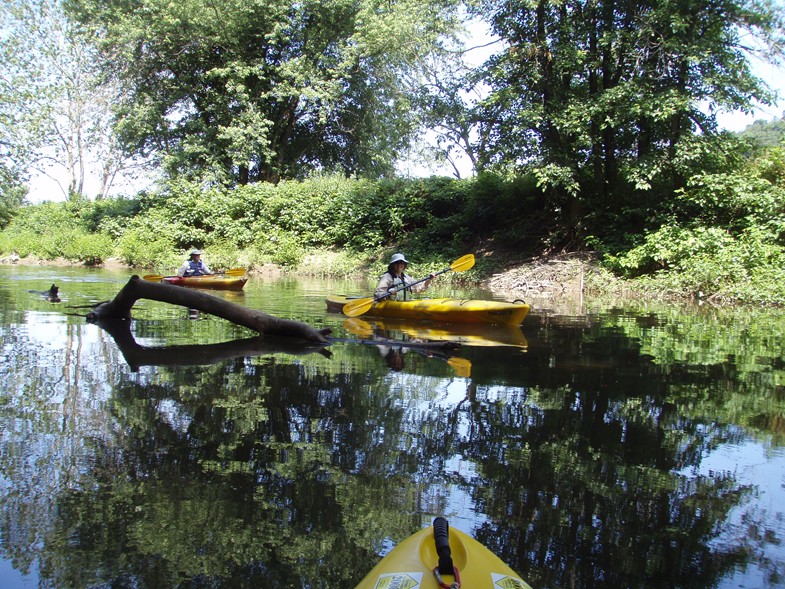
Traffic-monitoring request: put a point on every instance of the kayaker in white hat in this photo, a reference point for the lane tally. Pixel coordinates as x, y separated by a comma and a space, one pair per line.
194, 266
395, 278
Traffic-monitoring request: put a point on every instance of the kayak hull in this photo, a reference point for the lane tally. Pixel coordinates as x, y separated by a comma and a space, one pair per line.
444, 310
411, 564
214, 282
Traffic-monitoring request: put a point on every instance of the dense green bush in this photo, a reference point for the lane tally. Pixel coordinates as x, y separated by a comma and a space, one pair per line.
23, 242
90, 249
111, 216
724, 236
44, 218
710, 262
139, 248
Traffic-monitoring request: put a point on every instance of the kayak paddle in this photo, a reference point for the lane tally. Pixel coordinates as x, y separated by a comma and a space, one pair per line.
360, 306
230, 272
461, 366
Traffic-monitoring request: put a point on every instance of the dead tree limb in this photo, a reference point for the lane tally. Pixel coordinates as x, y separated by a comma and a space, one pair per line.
136, 288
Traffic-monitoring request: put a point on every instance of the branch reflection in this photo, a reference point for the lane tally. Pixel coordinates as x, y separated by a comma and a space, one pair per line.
137, 355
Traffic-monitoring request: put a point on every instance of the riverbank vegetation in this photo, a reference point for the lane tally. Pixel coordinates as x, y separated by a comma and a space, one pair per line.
721, 237
276, 131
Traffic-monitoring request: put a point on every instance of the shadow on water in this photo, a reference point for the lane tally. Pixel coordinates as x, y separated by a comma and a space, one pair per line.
624, 447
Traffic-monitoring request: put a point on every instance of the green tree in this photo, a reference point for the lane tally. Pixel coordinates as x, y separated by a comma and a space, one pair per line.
259, 90
55, 108
451, 92
765, 133
607, 100
23, 108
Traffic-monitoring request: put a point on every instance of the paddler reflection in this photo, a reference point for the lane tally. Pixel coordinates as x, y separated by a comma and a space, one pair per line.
393, 355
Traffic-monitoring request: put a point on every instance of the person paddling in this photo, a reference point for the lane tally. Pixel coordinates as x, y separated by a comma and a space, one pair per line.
395, 278
194, 266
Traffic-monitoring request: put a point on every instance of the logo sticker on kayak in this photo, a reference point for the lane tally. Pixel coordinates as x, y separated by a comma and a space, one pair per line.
399, 581
507, 582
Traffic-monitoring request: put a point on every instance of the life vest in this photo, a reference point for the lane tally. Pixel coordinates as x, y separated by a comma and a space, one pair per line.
399, 282
194, 268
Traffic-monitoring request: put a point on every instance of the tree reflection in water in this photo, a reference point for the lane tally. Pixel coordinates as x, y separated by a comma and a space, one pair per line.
579, 460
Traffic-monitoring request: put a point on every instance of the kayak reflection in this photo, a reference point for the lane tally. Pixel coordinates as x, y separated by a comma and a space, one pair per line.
459, 333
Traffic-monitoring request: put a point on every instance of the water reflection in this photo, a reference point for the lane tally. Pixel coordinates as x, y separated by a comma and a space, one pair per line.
459, 333
628, 447
137, 355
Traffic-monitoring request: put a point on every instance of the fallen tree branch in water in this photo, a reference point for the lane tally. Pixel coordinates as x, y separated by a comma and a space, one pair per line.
136, 288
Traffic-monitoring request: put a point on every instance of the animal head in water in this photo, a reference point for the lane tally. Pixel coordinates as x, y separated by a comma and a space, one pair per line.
53, 294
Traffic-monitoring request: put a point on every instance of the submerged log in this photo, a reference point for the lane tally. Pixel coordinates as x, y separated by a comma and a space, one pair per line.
136, 288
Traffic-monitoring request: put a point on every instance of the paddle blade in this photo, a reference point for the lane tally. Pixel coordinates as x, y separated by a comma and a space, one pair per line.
235, 272
358, 327
463, 264
462, 366
357, 307
153, 277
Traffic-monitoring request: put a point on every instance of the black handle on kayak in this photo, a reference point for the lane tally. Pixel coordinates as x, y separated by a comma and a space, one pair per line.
441, 535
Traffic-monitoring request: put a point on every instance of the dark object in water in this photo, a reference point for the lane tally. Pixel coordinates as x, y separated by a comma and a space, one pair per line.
52, 295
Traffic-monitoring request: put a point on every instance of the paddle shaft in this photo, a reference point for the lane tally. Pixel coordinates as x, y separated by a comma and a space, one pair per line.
460, 262
360, 306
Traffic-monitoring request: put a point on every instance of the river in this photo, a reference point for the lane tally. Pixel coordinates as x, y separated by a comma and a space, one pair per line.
616, 445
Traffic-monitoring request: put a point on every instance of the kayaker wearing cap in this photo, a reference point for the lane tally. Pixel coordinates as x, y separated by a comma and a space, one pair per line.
194, 266
395, 278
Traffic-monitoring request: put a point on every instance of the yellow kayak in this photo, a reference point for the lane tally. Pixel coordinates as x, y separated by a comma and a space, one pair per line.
213, 281
446, 310
438, 556
467, 334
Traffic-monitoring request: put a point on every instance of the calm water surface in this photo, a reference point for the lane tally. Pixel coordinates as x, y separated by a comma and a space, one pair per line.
614, 446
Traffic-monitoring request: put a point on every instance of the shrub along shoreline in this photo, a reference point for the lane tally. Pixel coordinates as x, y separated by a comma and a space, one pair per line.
333, 226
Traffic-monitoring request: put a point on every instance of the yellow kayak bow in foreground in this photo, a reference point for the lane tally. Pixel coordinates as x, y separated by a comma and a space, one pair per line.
439, 557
